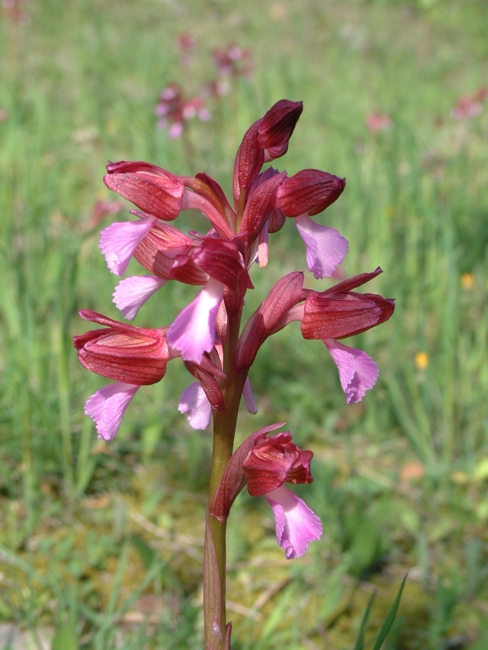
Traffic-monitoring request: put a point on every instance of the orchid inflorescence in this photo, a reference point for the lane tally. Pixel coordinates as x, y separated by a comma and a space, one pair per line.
207, 334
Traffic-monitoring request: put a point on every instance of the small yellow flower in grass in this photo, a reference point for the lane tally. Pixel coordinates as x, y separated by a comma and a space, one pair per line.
422, 360
467, 280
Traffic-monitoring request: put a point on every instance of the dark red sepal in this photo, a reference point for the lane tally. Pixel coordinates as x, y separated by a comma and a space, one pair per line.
276, 127
340, 315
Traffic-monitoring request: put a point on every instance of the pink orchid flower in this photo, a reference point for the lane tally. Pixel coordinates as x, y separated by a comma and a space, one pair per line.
133, 357
270, 463
336, 313
266, 464
196, 404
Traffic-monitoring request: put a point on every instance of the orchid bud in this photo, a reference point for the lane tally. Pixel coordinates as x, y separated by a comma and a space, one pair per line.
265, 140
276, 128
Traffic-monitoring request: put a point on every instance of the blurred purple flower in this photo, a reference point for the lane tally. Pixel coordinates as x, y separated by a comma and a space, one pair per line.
470, 105
186, 44
173, 110
233, 61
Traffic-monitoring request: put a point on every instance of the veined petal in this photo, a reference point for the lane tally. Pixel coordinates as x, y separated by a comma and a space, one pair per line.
128, 354
296, 524
107, 406
216, 195
325, 247
193, 331
248, 162
276, 220
308, 192
150, 188
330, 315
163, 252
119, 241
260, 201
130, 294
357, 371
223, 262
194, 402
353, 283
274, 461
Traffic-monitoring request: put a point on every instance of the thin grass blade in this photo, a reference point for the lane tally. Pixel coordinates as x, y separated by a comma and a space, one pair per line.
389, 620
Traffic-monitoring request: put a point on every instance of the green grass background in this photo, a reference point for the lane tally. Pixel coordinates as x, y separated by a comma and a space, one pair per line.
101, 545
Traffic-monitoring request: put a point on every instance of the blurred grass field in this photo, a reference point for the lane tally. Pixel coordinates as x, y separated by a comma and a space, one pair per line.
101, 545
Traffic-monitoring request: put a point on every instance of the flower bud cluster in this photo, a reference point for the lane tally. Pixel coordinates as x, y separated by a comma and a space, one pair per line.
219, 261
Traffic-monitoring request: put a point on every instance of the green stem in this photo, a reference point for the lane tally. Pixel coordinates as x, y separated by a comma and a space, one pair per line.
225, 422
